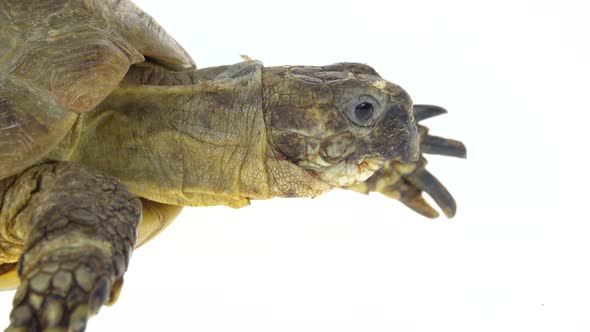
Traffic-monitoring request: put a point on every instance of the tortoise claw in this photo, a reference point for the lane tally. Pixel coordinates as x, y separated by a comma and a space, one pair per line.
434, 144
425, 181
412, 198
423, 112
442, 146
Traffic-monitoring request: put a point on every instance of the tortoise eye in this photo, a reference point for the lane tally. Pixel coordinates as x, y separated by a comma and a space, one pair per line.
363, 111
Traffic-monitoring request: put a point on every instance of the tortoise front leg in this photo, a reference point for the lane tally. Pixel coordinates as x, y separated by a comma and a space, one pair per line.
79, 228
407, 181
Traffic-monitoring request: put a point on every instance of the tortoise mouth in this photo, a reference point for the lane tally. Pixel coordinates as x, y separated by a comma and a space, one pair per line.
349, 172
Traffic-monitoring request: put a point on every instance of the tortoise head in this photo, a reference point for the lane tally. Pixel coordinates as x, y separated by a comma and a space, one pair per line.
340, 122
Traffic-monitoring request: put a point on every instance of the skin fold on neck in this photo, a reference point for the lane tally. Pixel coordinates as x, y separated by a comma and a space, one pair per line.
198, 140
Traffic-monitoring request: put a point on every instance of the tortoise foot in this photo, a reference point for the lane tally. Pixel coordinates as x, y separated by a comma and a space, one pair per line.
78, 245
63, 292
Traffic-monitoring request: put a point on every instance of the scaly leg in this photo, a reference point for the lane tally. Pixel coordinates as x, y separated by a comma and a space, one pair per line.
76, 229
407, 182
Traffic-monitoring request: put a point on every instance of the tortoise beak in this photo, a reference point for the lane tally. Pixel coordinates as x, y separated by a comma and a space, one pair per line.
405, 133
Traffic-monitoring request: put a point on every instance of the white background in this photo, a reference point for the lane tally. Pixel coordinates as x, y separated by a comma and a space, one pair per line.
514, 77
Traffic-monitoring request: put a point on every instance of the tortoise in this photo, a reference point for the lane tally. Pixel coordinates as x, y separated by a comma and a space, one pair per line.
107, 130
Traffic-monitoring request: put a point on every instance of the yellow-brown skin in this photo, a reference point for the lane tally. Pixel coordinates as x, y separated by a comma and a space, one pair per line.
311, 120
91, 136
226, 135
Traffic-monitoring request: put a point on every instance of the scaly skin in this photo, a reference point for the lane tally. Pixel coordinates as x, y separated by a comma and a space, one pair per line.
76, 229
198, 144
261, 137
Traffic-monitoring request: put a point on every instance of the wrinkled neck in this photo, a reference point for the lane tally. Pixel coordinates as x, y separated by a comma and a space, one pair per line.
192, 138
